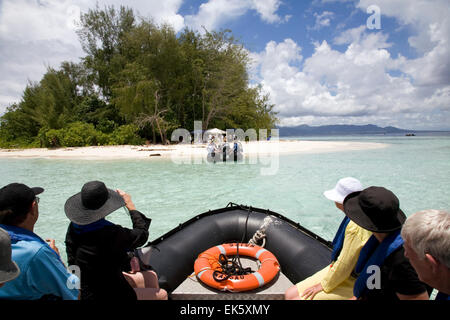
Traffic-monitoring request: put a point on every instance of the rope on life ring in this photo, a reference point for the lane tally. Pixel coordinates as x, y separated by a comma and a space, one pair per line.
213, 269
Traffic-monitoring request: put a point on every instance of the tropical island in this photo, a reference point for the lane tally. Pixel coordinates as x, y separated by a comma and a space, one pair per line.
137, 83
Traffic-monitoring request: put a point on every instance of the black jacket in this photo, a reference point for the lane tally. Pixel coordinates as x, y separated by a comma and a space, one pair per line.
102, 255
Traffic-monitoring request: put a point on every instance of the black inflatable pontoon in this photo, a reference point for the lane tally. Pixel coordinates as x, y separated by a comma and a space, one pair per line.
300, 252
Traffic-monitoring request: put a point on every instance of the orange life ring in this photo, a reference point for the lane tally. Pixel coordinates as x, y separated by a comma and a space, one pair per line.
208, 262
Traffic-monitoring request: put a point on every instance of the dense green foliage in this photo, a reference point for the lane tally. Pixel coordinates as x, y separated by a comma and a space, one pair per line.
138, 81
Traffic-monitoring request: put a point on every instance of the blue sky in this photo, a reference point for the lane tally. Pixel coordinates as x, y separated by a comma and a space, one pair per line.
317, 59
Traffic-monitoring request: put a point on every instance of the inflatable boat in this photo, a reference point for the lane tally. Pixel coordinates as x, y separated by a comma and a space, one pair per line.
298, 251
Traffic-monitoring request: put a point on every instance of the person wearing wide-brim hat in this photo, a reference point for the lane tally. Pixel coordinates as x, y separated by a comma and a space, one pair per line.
100, 248
384, 272
335, 281
9, 270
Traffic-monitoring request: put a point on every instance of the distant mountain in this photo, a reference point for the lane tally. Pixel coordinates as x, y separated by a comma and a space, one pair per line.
338, 130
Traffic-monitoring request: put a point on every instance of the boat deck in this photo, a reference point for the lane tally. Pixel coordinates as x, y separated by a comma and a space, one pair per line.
194, 289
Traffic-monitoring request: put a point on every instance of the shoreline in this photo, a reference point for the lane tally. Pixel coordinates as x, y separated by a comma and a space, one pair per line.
180, 151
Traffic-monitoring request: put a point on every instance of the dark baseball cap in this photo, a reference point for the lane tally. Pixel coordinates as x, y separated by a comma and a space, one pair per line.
18, 197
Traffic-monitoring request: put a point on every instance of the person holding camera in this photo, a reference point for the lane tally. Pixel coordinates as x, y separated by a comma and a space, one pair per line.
100, 248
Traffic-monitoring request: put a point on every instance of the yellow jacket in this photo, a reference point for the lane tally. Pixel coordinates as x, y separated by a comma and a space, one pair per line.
355, 238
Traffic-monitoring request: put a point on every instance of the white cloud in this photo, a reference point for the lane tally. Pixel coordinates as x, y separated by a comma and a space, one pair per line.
419, 15
323, 20
35, 34
350, 35
362, 84
24, 20
165, 11
430, 21
365, 84
330, 1
267, 9
355, 86
215, 13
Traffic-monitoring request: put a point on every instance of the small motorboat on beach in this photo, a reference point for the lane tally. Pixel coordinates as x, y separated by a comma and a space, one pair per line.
300, 252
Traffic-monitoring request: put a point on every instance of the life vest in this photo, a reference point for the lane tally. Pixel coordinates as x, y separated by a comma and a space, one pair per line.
373, 254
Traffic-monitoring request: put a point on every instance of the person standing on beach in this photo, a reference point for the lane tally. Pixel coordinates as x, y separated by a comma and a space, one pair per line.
427, 246
383, 271
225, 147
237, 149
335, 281
211, 149
43, 275
100, 248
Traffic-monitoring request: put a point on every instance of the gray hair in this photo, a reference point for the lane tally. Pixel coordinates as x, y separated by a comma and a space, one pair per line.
428, 231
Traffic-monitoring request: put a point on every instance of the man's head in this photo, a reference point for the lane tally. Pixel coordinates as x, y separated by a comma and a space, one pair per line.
427, 246
17, 202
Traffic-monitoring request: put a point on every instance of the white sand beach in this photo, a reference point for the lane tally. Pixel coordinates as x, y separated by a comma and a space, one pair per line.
183, 150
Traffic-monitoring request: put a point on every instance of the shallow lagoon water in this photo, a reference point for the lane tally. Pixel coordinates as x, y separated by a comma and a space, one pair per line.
416, 169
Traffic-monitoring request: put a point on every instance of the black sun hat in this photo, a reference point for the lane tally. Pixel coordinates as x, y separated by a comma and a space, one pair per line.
93, 203
375, 209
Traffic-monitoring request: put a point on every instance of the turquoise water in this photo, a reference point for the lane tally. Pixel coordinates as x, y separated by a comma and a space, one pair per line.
416, 169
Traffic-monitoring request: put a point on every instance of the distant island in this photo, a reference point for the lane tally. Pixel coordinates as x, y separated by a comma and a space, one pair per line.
340, 130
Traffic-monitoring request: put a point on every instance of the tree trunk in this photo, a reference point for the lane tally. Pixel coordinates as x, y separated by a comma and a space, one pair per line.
160, 132
154, 134
203, 111
156, 116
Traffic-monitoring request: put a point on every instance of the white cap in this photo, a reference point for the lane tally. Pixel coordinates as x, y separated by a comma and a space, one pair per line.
343, 188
